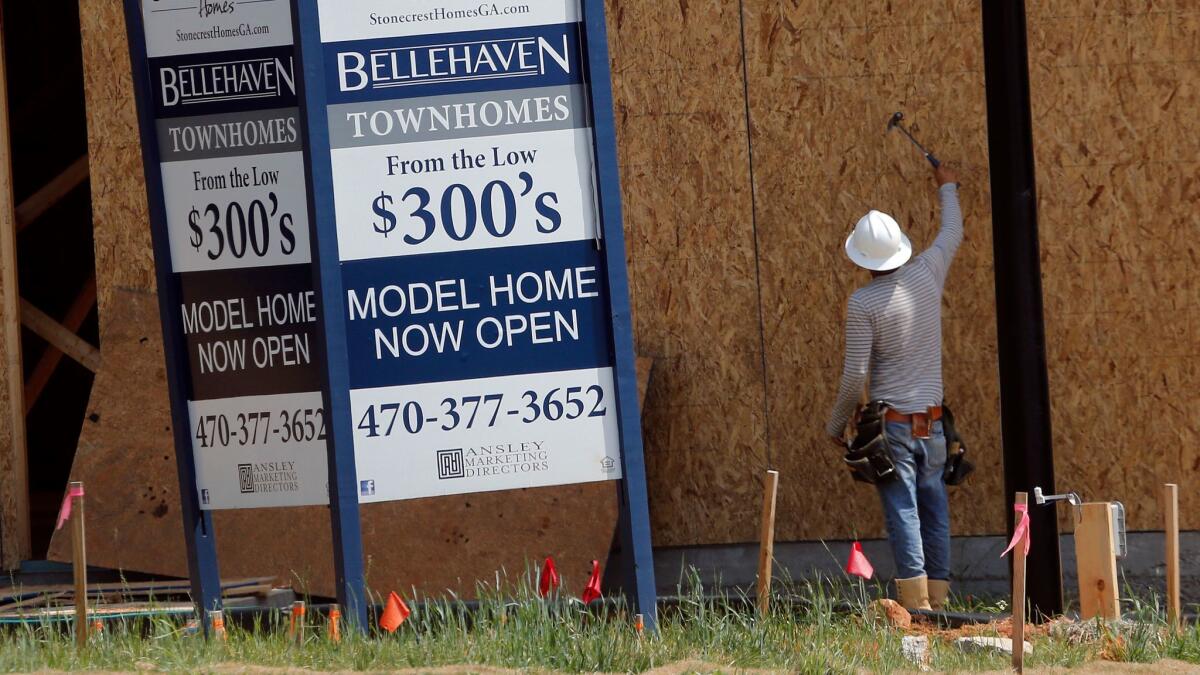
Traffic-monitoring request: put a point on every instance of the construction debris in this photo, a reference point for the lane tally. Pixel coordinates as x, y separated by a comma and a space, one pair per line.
1000, 645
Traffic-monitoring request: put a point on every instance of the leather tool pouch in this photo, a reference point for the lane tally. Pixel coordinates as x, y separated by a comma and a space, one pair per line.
869, 456
957, 466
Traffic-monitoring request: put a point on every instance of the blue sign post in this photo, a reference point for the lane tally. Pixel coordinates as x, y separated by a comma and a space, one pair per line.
197, 525
635, 507
469, 242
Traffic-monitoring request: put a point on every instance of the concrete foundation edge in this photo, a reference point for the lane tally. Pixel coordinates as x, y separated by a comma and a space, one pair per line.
977, 566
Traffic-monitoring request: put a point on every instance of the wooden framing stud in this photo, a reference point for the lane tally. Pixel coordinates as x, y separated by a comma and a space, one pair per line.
15, 540
52, 193
46, 365
60, 336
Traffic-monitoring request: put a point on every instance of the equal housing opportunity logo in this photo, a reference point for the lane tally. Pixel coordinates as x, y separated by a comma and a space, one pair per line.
266, 477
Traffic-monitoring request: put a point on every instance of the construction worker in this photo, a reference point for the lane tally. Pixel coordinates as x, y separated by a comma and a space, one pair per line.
894, 337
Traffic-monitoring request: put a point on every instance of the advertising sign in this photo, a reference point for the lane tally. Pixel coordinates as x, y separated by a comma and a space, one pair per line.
221, 84
464, 202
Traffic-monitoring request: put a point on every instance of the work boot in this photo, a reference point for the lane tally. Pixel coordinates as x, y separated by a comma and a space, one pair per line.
939, 590
913, 593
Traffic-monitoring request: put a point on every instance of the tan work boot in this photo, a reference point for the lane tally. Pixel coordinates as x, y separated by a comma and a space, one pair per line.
913, 593
939, 590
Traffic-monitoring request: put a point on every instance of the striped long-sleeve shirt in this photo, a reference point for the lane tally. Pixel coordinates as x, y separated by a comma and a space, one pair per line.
894, 328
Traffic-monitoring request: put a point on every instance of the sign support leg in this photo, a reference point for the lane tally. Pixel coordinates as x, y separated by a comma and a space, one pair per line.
637, 554
343, 476
197, 524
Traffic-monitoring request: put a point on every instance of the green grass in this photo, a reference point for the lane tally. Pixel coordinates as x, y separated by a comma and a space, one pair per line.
515, 629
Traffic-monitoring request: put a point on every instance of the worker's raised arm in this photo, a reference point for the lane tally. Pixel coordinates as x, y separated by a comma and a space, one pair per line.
859, 336
939, 256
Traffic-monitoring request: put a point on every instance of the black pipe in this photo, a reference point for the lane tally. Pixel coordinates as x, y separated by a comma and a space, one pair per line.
1024, 387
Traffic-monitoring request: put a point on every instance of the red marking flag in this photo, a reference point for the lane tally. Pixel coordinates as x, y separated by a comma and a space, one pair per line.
549, 578
858, 565
592, 590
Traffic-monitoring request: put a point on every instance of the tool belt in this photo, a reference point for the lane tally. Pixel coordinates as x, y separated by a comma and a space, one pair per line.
957, 466
869, 456
921, 422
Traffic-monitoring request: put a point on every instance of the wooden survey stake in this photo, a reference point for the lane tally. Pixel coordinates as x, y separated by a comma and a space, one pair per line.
1171, 513
1018, 595
297, 628
335, 623
79, 563
1097, 561
766, 549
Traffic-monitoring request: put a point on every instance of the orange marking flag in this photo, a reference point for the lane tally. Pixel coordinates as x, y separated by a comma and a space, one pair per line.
394, 613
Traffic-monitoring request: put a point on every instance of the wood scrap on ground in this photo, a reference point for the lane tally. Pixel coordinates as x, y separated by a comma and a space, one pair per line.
50, 600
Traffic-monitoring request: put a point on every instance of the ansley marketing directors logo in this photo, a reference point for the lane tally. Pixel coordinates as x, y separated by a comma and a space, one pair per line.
493, 460
263, 477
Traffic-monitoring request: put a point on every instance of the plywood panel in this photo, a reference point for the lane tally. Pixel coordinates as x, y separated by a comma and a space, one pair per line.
685, 174
820, 96
1114, 94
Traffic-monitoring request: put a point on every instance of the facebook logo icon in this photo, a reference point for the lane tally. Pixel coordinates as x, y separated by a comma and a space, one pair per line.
366, 488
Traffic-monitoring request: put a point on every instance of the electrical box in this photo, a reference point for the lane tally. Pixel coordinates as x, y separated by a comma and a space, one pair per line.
1120, 545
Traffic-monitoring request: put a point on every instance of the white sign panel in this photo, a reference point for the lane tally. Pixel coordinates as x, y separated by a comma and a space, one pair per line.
222, 80
175, 27
477, 311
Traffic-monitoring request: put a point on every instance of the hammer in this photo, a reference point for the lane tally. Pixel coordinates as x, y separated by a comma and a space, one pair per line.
895, 122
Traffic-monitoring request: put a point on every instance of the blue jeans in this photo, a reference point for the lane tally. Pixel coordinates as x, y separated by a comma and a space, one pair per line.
915, 505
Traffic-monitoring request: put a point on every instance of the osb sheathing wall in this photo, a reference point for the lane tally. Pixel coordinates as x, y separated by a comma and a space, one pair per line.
740, 283
1115, 88
823, 80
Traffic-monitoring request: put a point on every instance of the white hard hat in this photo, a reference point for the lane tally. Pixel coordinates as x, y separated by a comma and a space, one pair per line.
877, 243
